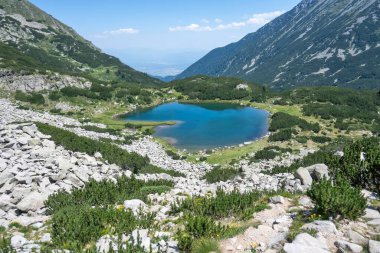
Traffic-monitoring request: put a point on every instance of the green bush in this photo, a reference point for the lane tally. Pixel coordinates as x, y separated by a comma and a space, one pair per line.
281, 120
359, 172
173, 155
79, 225
340, 199
151, 169
196, 227
281, 135
110, 152
54, 95
33, 98
222, 205
320, 139
221, 174
105, 193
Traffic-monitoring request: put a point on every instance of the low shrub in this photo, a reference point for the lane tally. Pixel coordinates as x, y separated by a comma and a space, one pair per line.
104, 193
173, 155
221, 174
78, 225
320, 139
99, 129
281, 120
196, 227
281, 135
222, 205
339, 199
110, 152
151, 169
33, 98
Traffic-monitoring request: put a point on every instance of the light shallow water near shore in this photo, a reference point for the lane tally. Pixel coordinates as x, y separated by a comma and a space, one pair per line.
206, 126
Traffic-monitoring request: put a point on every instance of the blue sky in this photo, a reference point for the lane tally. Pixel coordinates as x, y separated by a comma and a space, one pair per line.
163, 37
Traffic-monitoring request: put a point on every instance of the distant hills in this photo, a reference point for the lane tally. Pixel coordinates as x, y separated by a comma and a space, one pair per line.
319, 42
34, 42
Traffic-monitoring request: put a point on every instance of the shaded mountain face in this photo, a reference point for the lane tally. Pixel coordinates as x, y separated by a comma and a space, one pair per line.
33, 41
319, 42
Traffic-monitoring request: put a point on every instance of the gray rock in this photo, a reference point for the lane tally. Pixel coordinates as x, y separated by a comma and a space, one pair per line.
17, 241
351, 247
371, 214
305, 201
34, 142
4, 177
355, 237
32, 202
306, 243
3, 164
277, 200
304, 175
134, 205
374, 246
325, 227
45, 238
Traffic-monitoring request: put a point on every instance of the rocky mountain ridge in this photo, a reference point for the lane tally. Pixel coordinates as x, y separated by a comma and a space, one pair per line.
34, 42
319, 42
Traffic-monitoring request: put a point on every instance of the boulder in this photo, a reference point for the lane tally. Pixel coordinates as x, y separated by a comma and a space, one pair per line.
356, 238
134, 205
305, 201
323, 226
32, 202
371, 214
306, 243
17, 241
347, 246
374, 246
277, 200
4, 177
304, 175
3, 164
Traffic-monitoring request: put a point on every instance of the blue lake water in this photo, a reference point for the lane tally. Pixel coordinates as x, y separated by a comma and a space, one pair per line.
206, 126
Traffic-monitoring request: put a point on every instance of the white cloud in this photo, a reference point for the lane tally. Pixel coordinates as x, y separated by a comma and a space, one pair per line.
256, 19
192, 28
206, 21
123, 31
263, 18
218, 20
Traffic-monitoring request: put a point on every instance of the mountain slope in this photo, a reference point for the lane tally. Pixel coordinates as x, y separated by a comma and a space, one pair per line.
32, 40
319, 42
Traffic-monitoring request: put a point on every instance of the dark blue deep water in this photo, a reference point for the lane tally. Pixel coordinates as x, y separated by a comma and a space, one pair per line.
206, 126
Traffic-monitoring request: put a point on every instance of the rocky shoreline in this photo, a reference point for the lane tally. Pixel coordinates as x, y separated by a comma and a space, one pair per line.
32, 167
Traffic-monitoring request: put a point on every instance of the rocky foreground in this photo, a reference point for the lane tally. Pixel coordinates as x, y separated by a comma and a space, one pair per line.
32, 167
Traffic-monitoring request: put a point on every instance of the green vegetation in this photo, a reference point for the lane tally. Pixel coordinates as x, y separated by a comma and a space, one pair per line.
222, 205
337, 199
110, 152
84, 215
33, 98
282, 120
221, 174
210, 88
151, 169
281, 135
103, 193
270, 152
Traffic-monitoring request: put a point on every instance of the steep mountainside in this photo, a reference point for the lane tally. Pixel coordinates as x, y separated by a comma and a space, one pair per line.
33, 41
319, 42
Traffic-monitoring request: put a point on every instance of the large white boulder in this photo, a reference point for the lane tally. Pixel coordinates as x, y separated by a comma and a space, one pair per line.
347, 246
374, 246
304, 175
32, 202
323, 226
306, 243
134, 205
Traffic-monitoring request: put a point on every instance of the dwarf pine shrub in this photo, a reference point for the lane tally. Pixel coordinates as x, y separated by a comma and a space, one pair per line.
339, 199
110, 152
221, 174
222, 205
